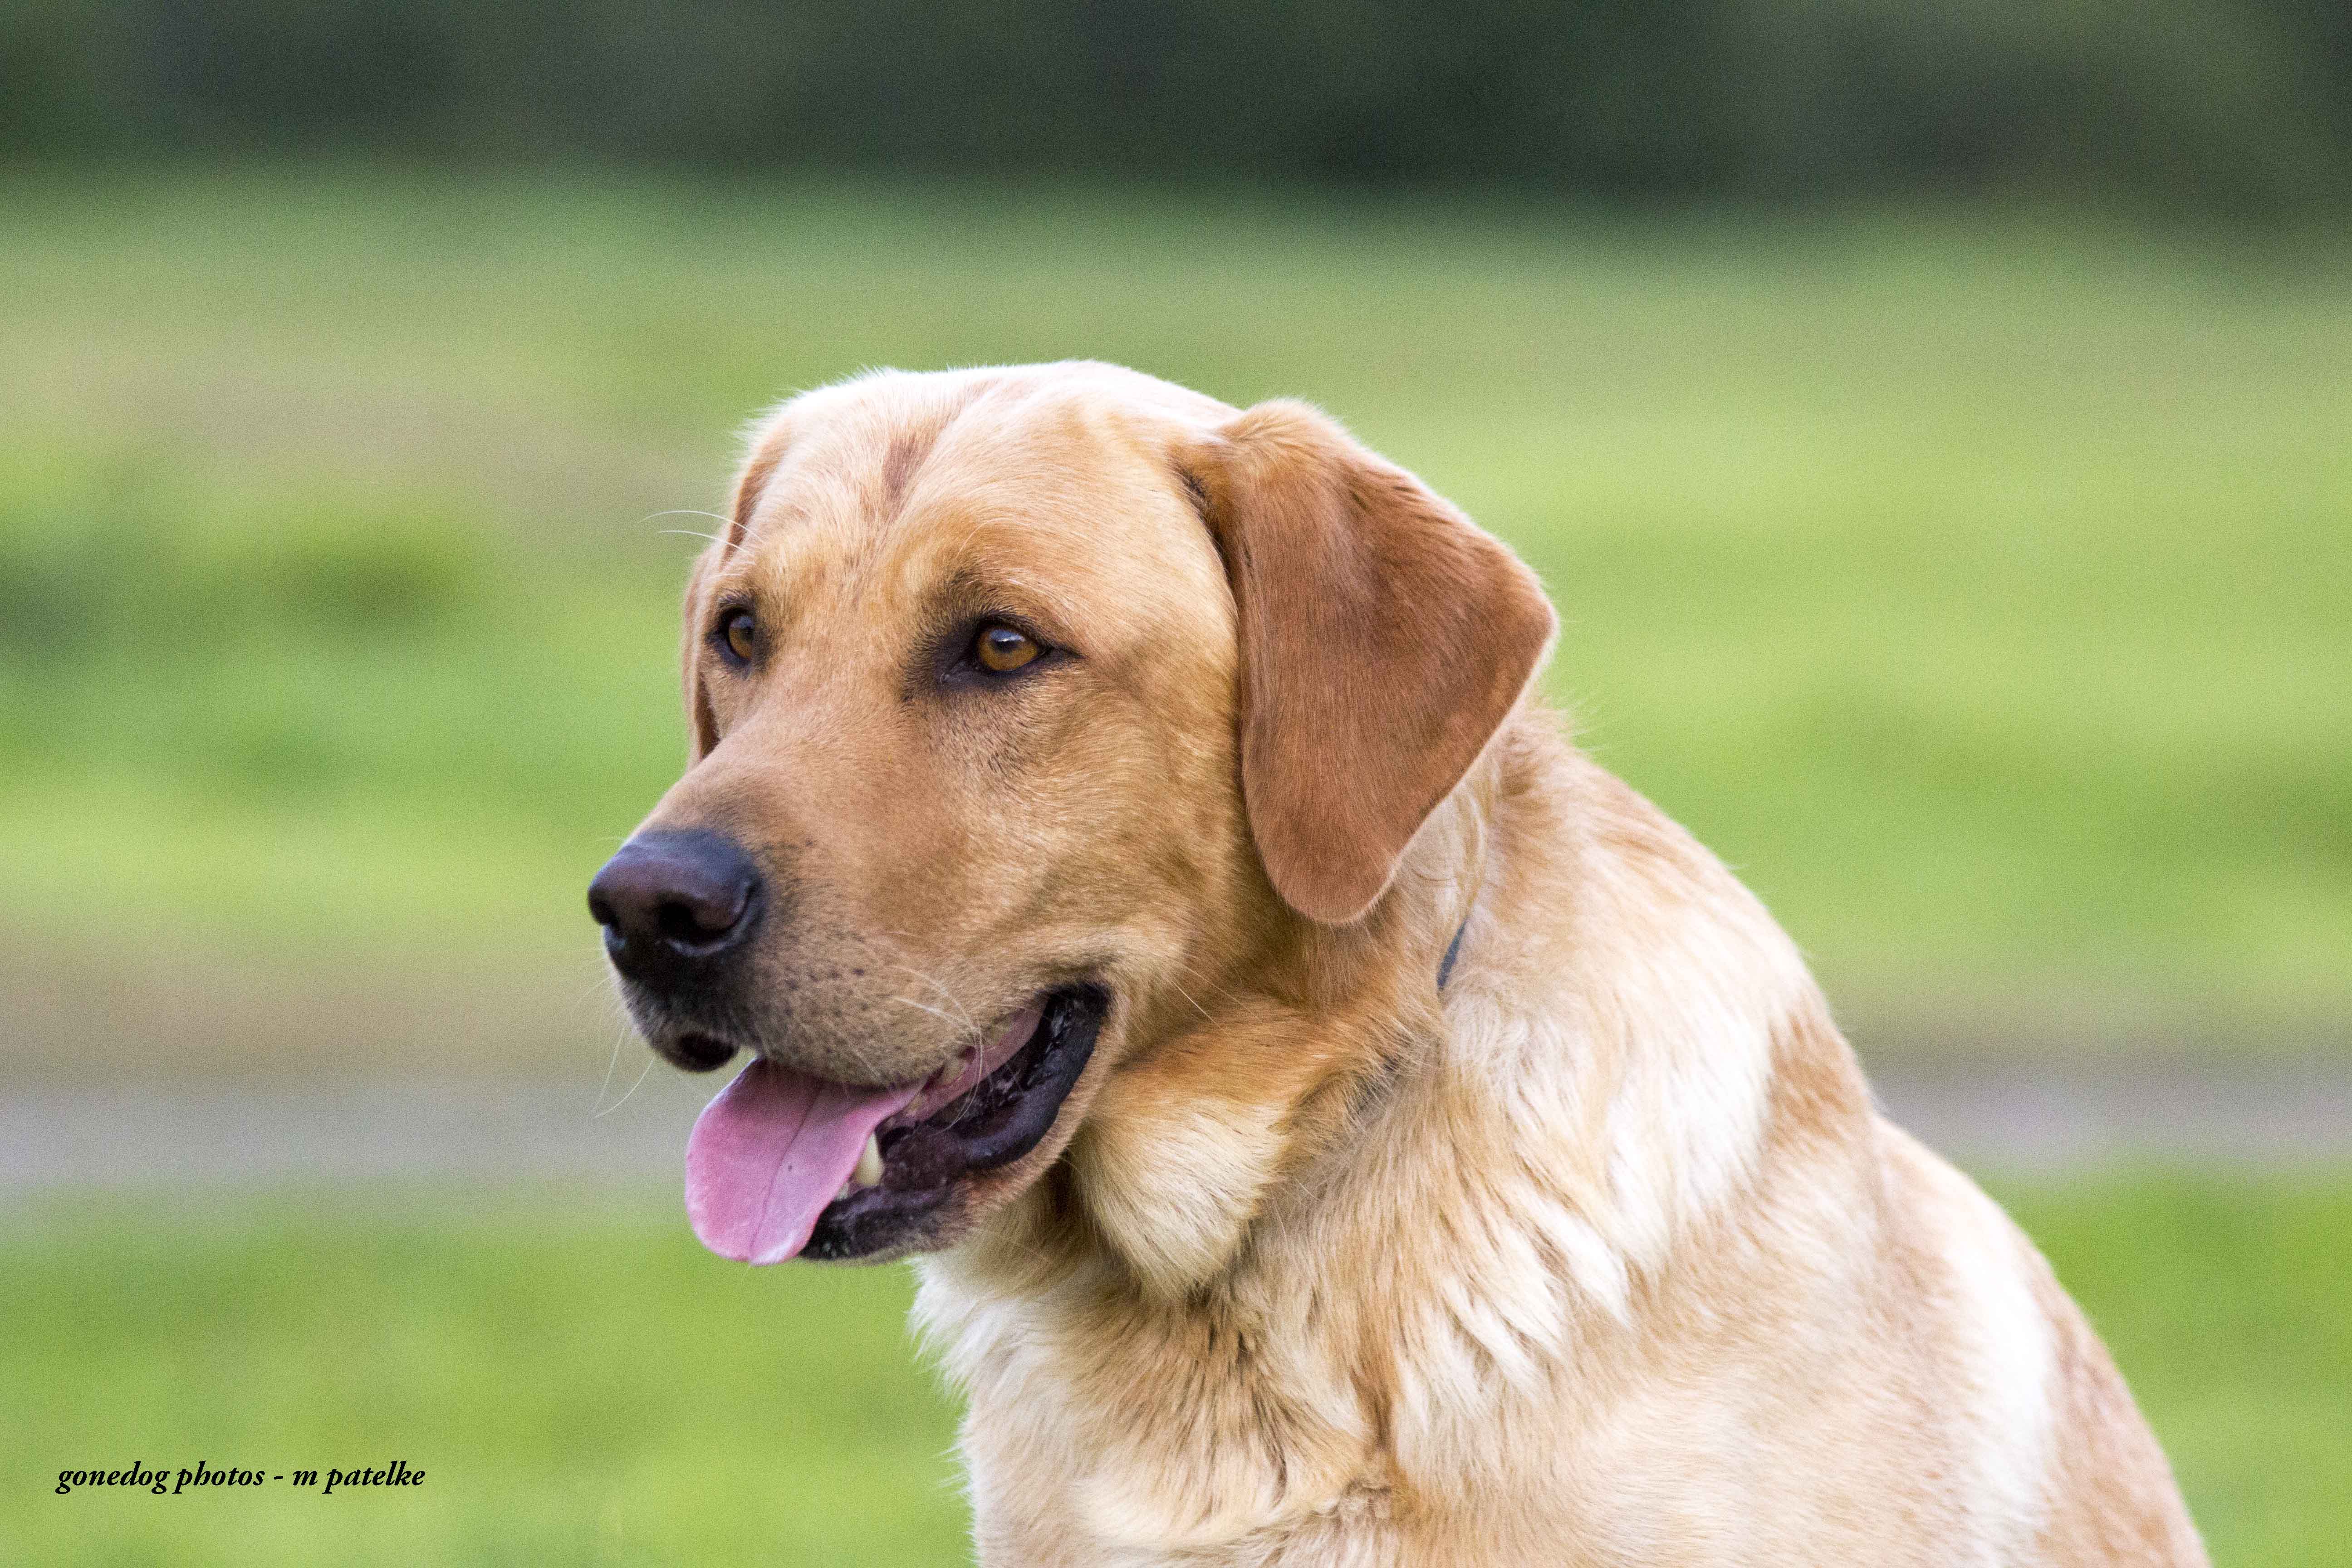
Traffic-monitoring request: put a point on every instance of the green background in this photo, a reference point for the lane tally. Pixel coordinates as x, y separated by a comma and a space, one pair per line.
1975, 588
1972, 577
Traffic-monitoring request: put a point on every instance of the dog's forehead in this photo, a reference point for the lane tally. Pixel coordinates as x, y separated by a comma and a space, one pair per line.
895, 482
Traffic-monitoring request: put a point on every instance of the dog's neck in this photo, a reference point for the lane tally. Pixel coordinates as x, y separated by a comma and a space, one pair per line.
1587, 1094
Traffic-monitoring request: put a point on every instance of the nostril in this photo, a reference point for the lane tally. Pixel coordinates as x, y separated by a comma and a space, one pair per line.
693, 923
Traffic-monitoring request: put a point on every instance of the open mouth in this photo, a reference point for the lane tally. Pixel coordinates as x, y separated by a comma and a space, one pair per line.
782, 1164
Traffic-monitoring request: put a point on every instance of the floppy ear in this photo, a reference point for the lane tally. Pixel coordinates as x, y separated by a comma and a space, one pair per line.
1384, 638
701, 727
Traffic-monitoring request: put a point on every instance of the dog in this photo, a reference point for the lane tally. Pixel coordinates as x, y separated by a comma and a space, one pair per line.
1337, 1122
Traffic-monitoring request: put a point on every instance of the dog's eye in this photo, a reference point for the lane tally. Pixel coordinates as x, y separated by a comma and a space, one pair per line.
740, 632
1002, 649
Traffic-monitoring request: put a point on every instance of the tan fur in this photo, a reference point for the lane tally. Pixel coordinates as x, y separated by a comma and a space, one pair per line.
1602, 1255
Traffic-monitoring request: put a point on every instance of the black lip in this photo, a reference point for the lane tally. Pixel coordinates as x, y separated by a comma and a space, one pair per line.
1004, 1116
697, 1052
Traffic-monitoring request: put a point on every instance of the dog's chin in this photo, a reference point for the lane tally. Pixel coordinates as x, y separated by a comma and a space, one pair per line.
942, 1172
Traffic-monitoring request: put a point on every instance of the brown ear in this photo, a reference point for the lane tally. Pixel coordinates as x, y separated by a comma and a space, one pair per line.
1384, 639
701, 727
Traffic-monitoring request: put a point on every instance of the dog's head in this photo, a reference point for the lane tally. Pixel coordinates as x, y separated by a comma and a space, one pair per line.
1029, 709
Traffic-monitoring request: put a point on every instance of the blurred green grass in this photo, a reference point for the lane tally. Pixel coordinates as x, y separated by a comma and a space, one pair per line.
582, 1384
1973, 584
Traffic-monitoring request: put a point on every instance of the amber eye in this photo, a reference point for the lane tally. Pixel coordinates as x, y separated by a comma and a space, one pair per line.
1002, 649
742, 635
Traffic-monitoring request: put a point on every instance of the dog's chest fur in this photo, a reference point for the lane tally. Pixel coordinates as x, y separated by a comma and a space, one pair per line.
1618, 1266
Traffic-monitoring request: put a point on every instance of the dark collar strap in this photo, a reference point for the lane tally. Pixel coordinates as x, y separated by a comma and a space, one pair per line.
1452, 951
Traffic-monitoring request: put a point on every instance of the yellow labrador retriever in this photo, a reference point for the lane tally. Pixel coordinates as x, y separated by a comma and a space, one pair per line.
1343, 1125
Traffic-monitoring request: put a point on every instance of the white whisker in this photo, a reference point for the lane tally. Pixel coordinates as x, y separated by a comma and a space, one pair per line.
633, 1088
926, 1007
688, 532
965, 1018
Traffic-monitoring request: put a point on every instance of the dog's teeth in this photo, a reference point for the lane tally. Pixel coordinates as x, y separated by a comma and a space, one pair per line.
869, 1164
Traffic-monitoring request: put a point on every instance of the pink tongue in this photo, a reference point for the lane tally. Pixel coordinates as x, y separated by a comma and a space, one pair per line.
770, 1152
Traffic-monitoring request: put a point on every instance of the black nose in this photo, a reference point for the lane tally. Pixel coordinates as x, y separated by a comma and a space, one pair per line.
672, 903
